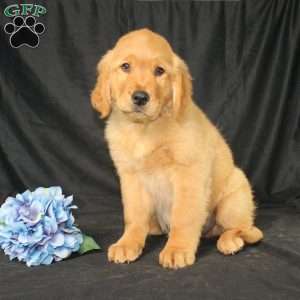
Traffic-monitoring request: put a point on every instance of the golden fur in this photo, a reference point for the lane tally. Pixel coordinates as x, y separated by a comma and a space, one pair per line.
177, 173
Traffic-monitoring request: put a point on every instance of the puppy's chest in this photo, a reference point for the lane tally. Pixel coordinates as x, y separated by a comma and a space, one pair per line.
150, 156
141, 154
151, 162
152, 167
160, 189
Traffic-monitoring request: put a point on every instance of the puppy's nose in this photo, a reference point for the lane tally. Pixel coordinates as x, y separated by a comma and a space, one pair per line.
140, 98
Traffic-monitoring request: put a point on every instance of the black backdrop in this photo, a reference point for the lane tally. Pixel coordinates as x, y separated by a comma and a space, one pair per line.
244, 57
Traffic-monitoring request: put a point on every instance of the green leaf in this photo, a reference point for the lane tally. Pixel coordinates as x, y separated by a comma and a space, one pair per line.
88, 244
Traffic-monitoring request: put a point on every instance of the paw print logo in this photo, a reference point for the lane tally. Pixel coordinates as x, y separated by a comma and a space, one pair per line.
24, 31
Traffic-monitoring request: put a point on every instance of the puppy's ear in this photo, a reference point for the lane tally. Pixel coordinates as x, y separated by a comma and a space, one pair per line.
101, 94
182, 86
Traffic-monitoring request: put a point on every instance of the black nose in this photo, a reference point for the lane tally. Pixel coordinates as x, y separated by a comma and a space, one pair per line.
140, 98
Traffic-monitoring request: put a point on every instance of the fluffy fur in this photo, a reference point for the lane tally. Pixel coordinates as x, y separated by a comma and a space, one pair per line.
176, 172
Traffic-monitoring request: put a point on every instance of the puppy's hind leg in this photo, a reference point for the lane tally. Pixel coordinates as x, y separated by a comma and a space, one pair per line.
235, 214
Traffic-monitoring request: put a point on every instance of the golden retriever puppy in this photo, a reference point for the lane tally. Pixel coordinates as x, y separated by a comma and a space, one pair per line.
176, 172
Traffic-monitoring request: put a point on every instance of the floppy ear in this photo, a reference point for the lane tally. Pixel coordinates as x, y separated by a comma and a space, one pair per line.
182, 86
101, 95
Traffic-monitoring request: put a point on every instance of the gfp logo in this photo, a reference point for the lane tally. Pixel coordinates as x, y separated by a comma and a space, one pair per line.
24, 28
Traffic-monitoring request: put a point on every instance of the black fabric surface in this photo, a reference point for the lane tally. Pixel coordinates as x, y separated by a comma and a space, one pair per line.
244, 58
269, 270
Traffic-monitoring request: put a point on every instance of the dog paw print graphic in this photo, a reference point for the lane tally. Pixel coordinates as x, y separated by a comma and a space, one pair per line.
24, 31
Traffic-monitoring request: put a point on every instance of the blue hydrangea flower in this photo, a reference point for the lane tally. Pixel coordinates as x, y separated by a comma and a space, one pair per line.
38, 227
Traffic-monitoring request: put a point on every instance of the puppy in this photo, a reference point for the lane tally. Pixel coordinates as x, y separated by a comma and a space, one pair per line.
176, 172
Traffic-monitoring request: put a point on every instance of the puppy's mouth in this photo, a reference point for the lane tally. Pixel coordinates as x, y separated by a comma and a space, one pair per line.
136, 111
138, 115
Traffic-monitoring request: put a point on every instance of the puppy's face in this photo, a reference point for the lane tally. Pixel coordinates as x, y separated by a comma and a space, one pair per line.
141, 77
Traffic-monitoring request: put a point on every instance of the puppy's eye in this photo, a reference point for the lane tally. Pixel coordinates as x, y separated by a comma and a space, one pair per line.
159, 71
125, 67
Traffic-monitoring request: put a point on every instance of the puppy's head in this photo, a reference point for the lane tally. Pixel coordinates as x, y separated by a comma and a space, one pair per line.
142, 78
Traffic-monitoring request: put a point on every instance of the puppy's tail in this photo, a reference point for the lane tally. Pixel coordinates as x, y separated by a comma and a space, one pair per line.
251, 235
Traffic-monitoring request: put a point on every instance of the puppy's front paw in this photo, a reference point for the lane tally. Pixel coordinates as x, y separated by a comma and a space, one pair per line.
123, 252
175, 258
